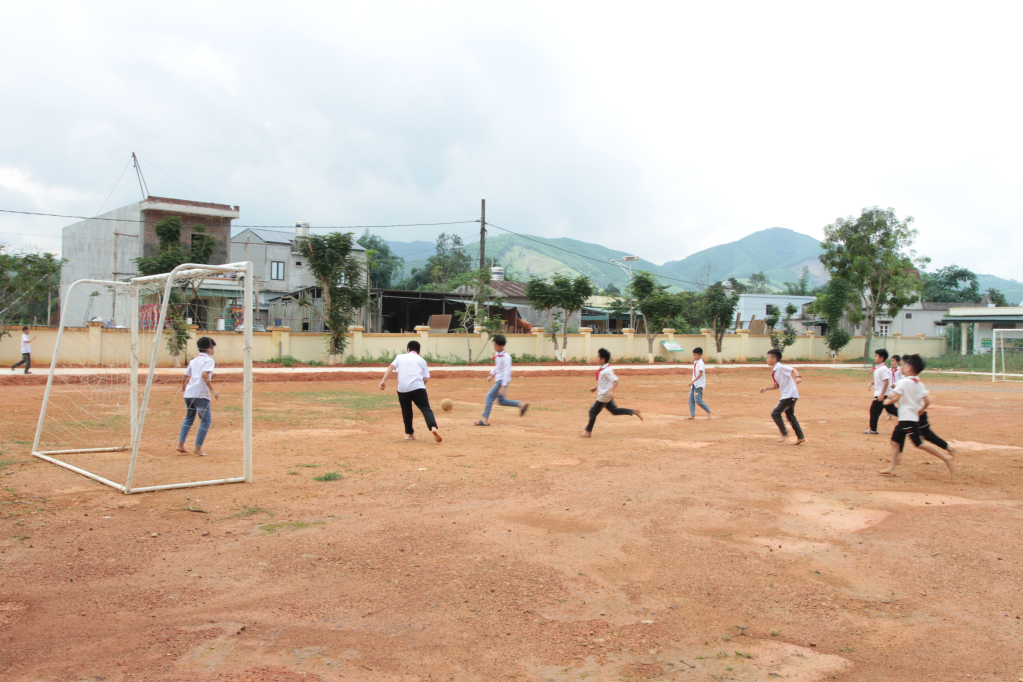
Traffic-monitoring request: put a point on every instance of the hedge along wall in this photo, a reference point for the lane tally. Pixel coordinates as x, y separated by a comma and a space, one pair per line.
96, 346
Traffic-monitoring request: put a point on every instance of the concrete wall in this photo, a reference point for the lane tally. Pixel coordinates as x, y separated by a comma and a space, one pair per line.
246, 246
95, 346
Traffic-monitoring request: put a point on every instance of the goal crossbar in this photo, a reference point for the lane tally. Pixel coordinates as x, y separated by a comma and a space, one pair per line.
138, 412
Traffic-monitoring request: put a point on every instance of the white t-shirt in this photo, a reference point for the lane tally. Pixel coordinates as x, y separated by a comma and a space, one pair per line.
605, 384
698, 367
882, 374
896, 376
196, 387
911, 398
502, 368
26, 347
782, 375
411, 370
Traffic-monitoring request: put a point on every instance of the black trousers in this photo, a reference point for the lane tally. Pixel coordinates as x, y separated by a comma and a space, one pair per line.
610, 407
26, 359
924, 429
876, 408
787, 406
422, 401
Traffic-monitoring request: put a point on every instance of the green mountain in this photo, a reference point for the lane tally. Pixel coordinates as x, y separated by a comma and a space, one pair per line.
1012, 289
780, 253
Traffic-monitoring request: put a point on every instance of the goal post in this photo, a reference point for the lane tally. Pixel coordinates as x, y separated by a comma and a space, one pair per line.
1007, 355
96, 403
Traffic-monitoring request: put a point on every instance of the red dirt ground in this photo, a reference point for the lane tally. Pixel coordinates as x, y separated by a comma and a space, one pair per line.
662, 549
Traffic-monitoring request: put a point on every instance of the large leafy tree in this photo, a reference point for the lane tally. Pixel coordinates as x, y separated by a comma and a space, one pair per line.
831, 304
997, 297
172, 252
800, 287
656, 304
341, 275
872, 253
448, 262
574, 295
384, 265
758, 284
476, 313
547, 295
951, 284
718, 311
24, 278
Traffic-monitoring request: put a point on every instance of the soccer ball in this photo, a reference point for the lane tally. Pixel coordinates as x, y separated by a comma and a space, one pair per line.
447, 404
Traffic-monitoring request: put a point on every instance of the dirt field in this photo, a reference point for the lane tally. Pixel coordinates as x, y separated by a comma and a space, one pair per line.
663, 549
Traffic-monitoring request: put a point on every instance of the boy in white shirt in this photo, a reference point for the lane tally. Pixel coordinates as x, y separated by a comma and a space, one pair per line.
785, 380
895, 361
412, 377
697, 385
911, 395
501, 376
882, 384
26, 351
198, 385
605, 390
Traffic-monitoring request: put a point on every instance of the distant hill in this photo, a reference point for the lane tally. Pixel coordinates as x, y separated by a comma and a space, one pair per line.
779, 252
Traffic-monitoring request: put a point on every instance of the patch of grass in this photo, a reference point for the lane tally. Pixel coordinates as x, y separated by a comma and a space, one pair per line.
329, 476
290, 525
4, 463
361, 402
528, 357
739, 653
311, 466
252, 511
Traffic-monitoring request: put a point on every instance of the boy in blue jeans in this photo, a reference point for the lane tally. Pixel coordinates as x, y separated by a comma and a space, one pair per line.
198, 385
501, 375
697, 385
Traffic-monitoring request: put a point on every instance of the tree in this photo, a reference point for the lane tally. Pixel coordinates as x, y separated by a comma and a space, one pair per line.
574, 295
787, 335
475, 313
384, 265
831, 305
341, 275
801, 287
951, 284
758, 284
24, 278
656, 305
547, 296
997, 297
172, 252
448, 261
718, 310
870, 253
612, 290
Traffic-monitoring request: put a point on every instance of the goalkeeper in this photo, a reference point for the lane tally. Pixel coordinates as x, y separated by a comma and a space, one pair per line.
198, 385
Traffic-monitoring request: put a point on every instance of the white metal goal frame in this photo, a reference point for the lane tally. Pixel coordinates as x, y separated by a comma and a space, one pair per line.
138, 413
998, 338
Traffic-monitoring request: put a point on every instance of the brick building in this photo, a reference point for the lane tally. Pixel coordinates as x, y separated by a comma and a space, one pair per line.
105, 247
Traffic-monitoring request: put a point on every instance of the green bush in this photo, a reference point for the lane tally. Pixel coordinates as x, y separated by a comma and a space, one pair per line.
329, 476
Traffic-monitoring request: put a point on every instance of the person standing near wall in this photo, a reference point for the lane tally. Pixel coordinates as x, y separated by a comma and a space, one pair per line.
26, 351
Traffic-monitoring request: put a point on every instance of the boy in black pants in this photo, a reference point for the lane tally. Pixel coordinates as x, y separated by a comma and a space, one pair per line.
605, 390
911, 395
882, 384
785, 380
412, 377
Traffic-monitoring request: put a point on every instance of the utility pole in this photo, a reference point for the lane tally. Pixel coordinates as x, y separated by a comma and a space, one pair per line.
143, 187
483, 235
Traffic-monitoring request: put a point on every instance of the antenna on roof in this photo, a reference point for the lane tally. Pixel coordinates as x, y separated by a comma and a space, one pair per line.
143, 187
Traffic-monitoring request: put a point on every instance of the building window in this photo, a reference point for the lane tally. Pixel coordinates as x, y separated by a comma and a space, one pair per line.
909, 316
882, 330
276, 270
298, 264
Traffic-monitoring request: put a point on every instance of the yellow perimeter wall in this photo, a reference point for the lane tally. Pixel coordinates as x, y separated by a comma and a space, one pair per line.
96, 346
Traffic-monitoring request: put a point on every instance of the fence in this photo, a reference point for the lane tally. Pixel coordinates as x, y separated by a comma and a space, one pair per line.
110, 346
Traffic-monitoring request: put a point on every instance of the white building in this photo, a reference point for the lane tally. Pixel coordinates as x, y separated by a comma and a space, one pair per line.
984, 320
756, 306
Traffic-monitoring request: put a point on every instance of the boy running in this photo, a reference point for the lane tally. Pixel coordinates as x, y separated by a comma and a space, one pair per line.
697, 385
501, 376
882, 384
785, 380
412, 377
198, 385
896, 360
605, 389
26, 351
911, 395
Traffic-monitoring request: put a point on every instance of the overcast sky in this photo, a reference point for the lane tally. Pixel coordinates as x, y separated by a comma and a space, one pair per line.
660, 129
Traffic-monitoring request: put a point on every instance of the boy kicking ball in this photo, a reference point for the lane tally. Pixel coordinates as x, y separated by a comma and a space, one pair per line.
605, 390
412, 377
785, 380
198, 385
697, 385
501, 376
911, 395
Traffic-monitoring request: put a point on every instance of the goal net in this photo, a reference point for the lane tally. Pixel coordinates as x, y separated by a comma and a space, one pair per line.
1007, 355
114, 407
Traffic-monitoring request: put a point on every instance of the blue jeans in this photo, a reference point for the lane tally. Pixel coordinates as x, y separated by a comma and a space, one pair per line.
696, 398
202, 407
492, 395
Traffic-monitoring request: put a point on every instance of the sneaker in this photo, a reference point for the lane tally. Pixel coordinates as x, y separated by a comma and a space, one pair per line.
870, 433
